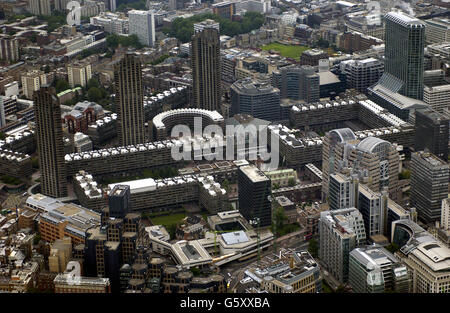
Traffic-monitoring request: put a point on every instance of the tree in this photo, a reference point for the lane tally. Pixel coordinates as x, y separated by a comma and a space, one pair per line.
61, 85
36, 239
2, 136
291, 182
172, 228
93, 82
94, 94
279, 218
226, 185
392, 247
405, 174
313, 248
112, 40
35, 162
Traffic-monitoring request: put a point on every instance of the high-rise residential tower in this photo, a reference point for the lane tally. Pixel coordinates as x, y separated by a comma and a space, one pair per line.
404, 50
49, 140
142, 24
206, 70
129, 100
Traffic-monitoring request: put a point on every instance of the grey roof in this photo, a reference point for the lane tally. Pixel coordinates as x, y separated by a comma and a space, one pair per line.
235, 237
370, 143
345, 134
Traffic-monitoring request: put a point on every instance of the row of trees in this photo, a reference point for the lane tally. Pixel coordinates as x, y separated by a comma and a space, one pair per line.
183, 28
113, 41
92, 92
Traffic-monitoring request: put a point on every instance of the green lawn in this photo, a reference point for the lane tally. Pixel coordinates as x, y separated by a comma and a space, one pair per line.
287, 51
167, 219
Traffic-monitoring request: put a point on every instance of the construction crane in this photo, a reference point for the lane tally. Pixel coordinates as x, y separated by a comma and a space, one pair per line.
256, 221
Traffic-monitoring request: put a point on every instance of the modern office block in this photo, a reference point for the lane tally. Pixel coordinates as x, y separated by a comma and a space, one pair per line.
297, 82
426, 258
257, 99
254, 190
373, 207
340, 232
432, 133
206, 69
343, 191
50, 146
375, 160
129, 100
429, 184
373, 269
437, 31
361, 74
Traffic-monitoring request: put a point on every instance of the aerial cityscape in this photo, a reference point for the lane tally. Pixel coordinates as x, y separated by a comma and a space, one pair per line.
224, 146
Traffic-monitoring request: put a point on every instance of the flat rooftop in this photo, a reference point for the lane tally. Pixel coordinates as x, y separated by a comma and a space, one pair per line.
254, 174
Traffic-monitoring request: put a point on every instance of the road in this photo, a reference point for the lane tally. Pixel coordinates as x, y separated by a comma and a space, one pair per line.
237, 269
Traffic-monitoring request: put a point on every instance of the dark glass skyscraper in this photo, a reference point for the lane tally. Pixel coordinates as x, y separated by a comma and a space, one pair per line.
404, 50
129, 100
49, 140
206, 72
431, 132
254, 190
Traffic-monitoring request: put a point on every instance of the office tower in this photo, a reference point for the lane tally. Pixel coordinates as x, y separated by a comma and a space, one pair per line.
376, 161
373, 269
79, 73
404, 51
343, 191
340, 232
297, 82
254, 190
9, 49
373, 207
40, 7
119, 201
142, 24
429, 184
129, 100
206, 69
361, 74
437, 30
49, 141
258, 99
32, 81
431, 132
426, 258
